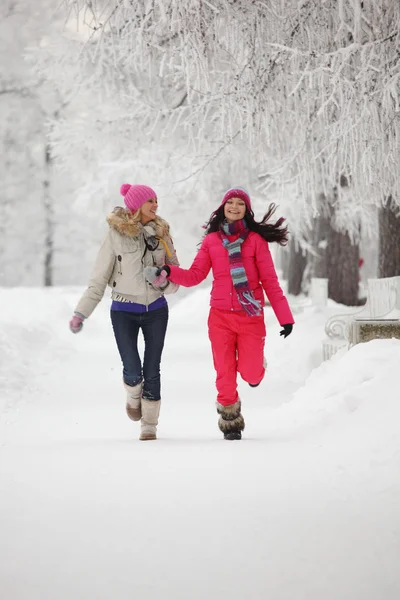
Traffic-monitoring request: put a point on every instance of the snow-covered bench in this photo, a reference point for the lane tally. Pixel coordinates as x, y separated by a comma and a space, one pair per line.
382, 308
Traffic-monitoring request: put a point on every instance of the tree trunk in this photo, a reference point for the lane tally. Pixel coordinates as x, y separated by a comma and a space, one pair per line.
284, 261
389, 240
297, 265
343, 269
49, 221
337, 259
322, 235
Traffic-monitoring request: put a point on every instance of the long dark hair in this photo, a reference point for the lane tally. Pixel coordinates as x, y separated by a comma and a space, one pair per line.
271, 232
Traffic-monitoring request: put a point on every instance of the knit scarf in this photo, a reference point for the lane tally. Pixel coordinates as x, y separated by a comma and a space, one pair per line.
238, 273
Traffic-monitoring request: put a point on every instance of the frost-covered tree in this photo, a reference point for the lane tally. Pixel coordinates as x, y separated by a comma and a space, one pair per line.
27, 240
315, 81
21, 165
40, 244
309, 90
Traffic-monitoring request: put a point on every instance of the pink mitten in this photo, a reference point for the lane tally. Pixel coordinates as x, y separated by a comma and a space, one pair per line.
157, 276
161, 279
76, 324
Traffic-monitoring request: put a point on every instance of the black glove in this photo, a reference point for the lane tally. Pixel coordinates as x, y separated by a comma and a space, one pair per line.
163, 268
287, 330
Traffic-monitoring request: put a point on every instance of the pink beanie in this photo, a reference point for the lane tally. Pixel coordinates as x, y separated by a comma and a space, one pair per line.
136, 195
237, 192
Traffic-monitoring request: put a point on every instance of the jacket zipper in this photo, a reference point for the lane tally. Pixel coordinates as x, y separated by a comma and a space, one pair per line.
143, 248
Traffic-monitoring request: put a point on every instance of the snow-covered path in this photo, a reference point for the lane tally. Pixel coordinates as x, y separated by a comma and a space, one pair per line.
305, 507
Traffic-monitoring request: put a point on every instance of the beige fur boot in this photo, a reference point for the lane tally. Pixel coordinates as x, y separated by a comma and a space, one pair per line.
230, 421
133, 401
150, 413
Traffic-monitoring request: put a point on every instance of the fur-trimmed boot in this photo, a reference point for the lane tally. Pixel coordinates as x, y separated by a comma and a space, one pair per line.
150, 413
133, 401
230, 421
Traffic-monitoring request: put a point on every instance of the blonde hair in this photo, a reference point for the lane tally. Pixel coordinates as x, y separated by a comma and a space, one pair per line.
160, 223
135, 217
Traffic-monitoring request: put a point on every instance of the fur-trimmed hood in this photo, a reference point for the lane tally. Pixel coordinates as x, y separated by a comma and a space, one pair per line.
121, 219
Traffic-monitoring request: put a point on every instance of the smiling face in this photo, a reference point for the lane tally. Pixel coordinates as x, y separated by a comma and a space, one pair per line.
234, 209
148, 211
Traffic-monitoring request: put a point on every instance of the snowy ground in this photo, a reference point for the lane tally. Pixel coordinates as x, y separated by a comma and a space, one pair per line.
305, 507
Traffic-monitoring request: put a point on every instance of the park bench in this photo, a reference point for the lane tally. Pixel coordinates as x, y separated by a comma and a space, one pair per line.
378, 318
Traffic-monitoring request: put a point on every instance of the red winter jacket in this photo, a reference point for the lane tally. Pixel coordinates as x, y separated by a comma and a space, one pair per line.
260, 270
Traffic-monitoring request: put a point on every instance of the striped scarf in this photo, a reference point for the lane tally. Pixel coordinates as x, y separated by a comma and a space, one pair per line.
238, 273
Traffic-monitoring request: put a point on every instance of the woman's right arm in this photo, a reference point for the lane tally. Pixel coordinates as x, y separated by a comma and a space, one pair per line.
197, 272
99, 278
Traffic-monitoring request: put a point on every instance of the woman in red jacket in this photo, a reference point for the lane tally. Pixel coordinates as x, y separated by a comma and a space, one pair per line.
236, 248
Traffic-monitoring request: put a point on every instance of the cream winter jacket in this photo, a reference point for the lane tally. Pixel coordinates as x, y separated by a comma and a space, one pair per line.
122, 257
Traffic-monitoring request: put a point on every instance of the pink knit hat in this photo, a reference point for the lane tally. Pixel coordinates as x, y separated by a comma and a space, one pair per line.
237, 192
136, 195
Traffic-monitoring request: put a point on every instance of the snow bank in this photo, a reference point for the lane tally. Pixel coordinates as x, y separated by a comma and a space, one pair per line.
307, 505
363, 378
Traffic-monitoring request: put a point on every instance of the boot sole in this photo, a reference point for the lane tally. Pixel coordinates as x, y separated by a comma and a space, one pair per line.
147, 438
233, 436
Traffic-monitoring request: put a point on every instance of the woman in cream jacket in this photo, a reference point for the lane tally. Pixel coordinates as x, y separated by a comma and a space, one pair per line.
137, 238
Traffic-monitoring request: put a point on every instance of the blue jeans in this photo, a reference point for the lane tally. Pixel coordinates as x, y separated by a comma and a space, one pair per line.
126, 327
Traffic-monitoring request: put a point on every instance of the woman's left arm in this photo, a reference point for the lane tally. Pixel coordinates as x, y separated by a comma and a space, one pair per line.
270, 283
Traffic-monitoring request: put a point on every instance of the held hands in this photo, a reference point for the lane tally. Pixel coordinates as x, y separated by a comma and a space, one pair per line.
76, 324
157, 276
287, 330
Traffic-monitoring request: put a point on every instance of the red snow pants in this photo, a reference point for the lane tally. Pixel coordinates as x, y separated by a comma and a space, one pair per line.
237, 342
